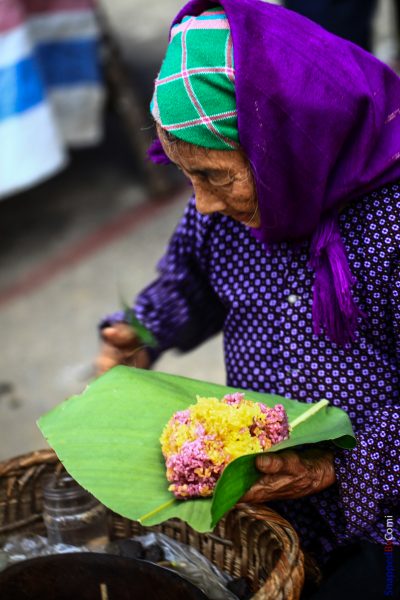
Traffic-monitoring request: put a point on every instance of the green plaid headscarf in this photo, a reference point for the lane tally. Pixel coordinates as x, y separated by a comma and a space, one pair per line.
194, 96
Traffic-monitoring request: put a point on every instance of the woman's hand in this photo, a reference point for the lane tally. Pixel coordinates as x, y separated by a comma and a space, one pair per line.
290, 474
121, 346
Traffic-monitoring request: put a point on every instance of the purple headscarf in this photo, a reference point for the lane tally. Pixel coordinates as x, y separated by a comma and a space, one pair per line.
319, 121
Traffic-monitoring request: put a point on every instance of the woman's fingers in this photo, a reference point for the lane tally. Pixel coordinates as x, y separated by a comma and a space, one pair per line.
271, 463
120, 335
109, 358
121, 346
291, 474
104, 363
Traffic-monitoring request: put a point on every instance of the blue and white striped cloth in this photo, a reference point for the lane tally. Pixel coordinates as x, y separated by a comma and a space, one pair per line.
51, 92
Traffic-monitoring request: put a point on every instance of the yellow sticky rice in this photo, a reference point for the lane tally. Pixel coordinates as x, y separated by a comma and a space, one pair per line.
228, 423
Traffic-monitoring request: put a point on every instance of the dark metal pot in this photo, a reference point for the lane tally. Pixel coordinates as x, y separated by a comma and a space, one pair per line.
90, 576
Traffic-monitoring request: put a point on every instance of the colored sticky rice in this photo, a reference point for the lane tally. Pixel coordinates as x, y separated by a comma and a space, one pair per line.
198, 443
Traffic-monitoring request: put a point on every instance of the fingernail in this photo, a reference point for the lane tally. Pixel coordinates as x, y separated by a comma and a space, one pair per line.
263, 459
109, 329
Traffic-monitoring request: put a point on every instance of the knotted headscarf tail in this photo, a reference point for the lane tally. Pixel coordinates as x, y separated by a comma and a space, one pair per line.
334, 309
319, 121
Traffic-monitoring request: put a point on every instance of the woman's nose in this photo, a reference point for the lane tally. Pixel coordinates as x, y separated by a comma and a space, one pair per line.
207, 202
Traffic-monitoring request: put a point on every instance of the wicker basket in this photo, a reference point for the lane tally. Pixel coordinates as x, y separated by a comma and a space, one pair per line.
254, 542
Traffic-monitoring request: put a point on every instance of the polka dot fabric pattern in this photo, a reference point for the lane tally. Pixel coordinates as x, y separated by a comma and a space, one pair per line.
216, 276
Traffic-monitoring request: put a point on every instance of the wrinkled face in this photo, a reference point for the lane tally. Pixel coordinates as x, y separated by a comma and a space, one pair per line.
222, 179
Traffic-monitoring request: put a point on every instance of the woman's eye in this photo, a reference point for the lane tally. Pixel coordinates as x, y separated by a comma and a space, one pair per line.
220, 179
210, 178
221, 182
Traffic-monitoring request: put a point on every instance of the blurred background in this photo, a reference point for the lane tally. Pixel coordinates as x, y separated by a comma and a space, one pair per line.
83, 217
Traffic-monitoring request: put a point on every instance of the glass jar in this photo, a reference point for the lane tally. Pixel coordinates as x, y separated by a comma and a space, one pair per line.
73, 516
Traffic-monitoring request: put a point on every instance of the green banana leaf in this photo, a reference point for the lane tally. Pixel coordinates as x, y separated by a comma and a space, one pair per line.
108, 440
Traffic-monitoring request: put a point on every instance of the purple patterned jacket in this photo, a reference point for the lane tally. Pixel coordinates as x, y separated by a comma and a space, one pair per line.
215, 276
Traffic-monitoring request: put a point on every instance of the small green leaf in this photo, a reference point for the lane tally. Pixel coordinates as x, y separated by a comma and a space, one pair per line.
142, 332
108, 439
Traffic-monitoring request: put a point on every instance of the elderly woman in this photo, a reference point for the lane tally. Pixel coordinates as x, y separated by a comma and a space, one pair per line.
290, 245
